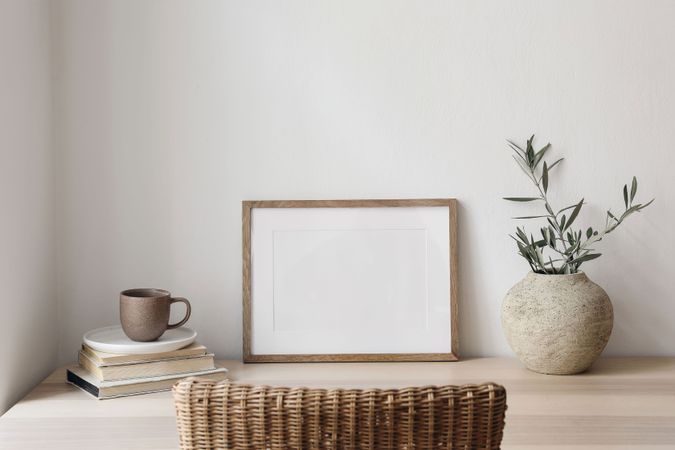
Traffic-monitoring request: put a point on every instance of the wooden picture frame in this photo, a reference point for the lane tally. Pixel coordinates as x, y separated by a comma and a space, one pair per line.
450, 350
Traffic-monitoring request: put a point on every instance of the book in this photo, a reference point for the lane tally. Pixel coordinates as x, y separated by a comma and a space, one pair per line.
102, 390
194, 349
120, 371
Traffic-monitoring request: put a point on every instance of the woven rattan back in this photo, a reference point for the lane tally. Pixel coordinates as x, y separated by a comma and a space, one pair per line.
225, 415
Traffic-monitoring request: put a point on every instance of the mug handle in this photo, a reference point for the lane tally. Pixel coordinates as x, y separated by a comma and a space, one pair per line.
187, 312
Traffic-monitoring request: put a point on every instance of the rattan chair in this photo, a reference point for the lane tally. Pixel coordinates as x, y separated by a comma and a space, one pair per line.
224, 415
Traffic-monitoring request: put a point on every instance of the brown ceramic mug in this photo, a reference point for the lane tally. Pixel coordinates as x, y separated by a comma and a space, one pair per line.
144, 313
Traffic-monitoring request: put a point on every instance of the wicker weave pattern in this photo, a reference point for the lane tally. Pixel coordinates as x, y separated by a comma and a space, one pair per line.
224, 415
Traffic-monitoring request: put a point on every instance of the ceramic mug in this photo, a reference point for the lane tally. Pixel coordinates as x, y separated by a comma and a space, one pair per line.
144, 313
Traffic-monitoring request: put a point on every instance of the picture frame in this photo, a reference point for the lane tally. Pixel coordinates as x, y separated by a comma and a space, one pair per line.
350, 280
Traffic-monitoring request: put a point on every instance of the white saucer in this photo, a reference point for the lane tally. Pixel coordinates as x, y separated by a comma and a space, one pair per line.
113, 340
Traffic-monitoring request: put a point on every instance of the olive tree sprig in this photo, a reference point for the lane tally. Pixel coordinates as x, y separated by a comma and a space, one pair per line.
566, 249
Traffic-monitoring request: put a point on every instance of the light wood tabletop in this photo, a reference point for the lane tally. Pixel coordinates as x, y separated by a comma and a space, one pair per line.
621, 403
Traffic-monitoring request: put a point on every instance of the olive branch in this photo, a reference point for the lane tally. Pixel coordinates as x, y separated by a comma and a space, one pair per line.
567, 249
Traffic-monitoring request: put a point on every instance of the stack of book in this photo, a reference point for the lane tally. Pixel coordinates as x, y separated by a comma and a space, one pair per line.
108, 375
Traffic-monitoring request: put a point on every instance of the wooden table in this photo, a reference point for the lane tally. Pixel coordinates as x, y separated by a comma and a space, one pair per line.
622, 403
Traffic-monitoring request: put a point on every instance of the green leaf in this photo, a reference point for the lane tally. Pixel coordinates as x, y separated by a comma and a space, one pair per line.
521, 234
540, 243
551, 233
630, 211
625, 195
515, 147
585, 258
574, 214
523, 166
540, 154
567, 207
589, 233
633, 189
529, 152
563, 219
555, 164
529, 217
540, 258
548, 208
544, 178
521, 247
641, 207
521, 199
548, 236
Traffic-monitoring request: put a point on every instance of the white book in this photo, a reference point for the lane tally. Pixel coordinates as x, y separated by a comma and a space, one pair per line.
112, 372
105, 359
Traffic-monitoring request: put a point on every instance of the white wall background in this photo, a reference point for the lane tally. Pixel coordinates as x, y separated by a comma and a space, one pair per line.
28, 328
169, 113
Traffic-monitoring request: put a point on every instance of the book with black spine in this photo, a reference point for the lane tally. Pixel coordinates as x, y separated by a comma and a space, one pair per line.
102, 390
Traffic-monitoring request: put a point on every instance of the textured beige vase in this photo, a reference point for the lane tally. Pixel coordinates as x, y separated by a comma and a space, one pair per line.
557, 324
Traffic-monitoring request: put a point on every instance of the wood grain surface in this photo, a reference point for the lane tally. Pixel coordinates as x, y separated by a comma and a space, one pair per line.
620, 404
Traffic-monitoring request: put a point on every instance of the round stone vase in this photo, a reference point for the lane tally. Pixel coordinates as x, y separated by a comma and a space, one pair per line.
557, 324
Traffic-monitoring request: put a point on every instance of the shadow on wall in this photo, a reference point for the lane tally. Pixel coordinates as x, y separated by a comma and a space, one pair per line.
22, 368
641, 294
638, 318
480, 332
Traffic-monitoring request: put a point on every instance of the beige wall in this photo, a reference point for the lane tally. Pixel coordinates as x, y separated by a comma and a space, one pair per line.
28, 308
167, 114
172, 112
